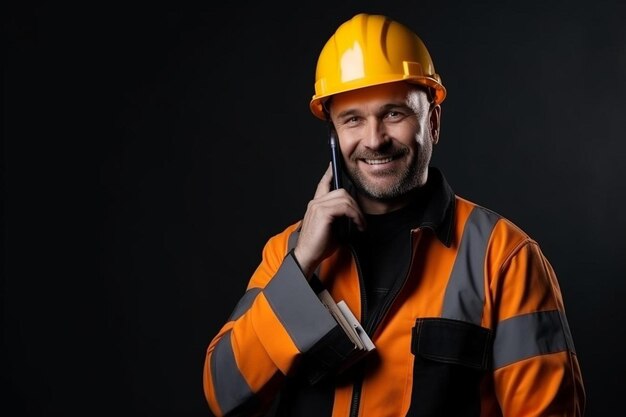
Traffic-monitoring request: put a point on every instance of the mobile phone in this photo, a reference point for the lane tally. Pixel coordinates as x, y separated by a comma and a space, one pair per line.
342, 225
335, 158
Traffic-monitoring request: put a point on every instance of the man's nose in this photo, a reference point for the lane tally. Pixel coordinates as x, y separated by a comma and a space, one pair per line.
375, 135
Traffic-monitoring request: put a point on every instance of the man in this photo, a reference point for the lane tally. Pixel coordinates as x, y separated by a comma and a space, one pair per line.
465, 312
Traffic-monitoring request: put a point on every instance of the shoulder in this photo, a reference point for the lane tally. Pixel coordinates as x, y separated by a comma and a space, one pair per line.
501, 232
274, 252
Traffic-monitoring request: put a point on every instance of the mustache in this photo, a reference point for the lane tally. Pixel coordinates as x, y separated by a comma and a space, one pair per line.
392, 152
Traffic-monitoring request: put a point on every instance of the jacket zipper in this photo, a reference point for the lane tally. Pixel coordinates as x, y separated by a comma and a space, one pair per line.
356, 397
372, 324
356, 389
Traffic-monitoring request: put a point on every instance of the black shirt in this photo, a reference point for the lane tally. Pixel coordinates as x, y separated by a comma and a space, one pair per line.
384, 249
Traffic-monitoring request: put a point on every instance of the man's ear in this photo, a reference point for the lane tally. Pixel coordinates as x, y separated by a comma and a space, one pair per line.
435, 123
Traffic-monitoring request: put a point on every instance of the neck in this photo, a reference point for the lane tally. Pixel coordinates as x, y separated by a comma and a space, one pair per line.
373, 206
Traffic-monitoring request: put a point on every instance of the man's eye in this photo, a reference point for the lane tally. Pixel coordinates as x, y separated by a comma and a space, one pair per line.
394, 115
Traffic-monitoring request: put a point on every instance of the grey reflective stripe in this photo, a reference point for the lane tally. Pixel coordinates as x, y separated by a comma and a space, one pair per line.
244, 303
293, 238
568, 334
231, 389
297, 307
529, 335
465, 293
291, 243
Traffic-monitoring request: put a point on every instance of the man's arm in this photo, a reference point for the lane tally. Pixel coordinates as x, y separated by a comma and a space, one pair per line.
277, 322
536, 370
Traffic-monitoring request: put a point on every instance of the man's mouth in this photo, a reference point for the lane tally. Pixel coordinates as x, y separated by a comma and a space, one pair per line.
378, 161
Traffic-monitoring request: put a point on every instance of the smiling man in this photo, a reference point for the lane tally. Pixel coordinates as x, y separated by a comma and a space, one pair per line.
464, 310
387, 135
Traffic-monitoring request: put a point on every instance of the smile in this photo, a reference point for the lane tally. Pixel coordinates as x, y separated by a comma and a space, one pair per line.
378, 161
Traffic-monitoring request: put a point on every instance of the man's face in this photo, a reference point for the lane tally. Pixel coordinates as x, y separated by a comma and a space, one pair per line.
386, 134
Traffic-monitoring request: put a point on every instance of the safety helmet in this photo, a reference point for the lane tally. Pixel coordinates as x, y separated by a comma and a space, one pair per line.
370, 50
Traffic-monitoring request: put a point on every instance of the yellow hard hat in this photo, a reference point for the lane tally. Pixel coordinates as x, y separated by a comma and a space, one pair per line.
369, 50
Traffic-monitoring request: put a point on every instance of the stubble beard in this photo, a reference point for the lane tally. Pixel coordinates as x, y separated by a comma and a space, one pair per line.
409, 178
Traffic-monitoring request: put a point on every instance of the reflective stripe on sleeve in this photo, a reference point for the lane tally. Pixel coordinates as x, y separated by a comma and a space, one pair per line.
297, 307
233, 389
528, 335
244, 303
293, 239
465, 292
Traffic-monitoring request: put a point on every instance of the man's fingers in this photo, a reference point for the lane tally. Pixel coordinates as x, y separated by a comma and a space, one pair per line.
336, 204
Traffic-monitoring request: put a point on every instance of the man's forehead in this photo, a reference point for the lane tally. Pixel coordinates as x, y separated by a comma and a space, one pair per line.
380, 96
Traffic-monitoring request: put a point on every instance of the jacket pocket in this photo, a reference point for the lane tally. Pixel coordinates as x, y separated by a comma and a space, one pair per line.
451, 357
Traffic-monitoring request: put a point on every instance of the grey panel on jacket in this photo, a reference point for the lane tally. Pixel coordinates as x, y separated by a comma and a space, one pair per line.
297, 307
465, 293
529, 335
232, 388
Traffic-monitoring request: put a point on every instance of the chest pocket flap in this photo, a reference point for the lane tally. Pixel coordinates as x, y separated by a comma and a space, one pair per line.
452, 341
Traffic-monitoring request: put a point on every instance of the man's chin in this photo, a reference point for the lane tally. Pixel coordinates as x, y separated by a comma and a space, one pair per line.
379, 191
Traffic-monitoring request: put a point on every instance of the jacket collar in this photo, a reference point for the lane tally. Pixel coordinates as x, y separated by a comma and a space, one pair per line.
433, 205
438, 212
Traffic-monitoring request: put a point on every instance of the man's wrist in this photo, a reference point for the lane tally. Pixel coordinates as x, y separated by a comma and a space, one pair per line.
306, 271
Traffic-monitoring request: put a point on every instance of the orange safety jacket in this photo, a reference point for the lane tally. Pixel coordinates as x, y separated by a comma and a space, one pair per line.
478, 328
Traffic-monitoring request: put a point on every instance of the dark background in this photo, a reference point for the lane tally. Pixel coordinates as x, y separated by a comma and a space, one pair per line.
149, 153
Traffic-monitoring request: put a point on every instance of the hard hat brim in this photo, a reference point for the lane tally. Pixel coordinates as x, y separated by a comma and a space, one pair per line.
317, 102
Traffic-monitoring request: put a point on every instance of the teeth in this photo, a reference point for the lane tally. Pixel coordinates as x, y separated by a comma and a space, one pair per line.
378, 161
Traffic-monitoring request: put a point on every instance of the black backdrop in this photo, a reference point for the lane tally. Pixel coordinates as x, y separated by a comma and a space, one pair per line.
149, 153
